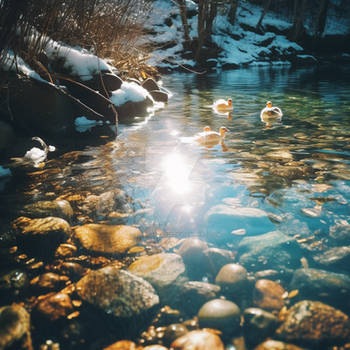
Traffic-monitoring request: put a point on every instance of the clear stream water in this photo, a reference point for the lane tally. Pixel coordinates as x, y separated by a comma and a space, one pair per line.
296, 170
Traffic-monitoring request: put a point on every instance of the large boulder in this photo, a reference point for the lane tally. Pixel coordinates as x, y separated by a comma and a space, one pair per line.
117, 292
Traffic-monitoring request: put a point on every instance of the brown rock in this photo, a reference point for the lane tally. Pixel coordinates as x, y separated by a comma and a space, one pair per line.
314, 323
268, 295
41, 236
14, 326
111, 239
55, 306
122, 345
199, 340
49, 281
276, 345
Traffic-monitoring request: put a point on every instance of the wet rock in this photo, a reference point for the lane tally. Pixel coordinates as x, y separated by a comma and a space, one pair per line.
65, 250
233, 280
194, 294
41, 209
335, 257
73, 269
173, 332
150, 84
15, 327
159, 96
220, 314
218, 258
49, 281
111, 82
223, 219
268, 295
329, 287
290, 172
122, 345
258, 325
166, 316
340, 232
106, 203
313, 323
117, 292
193, 252
280, 155
199, 340
161, 270
273, 250
41, 236
155, 347
55, 306
276, 345
111, 239
131, 109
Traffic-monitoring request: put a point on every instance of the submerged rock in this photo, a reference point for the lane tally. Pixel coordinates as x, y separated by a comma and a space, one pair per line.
111, 239
258, 325
117, 292
15, 327
41, 236
41, 209
273, 250
276, 345
332, 288
233, 280
220, 314
268, 295
316, 324
223, 219
199, 340
161, 270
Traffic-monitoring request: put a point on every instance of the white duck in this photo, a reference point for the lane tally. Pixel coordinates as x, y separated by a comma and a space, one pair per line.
270, 113
209, 137
35, 156
222, 105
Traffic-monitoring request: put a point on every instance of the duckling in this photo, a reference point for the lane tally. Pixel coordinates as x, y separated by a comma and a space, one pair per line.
270, 113
35, 156
209, 136
223, 106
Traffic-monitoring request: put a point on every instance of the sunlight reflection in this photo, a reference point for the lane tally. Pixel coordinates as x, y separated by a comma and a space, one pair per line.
177, 171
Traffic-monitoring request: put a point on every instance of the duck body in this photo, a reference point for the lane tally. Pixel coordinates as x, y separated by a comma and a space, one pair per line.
210, 137
270, 113
222, 105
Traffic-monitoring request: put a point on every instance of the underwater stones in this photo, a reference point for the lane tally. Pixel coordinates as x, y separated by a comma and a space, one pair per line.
268, 295
13, 280
258, 325
334, 257
57, 208
223, 219
49, 281
218, 258
122, 345
313, 323
161, 270
108, 239
193, 253
329, 287
233, 280
280, 155
273, 250
117, 292
41, 236
199, 340
220, 314
15, 326
194, 294
174, 331
54, 306
340, 232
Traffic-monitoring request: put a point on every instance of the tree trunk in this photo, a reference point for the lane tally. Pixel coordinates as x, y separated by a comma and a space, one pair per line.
267, 4
321, 18
298, 25
183, 14
232, 11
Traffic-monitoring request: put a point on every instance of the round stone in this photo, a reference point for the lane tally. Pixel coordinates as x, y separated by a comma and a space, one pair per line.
220, 314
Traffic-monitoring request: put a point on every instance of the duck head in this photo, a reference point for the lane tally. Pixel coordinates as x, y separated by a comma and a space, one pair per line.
269, 104
223, 131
